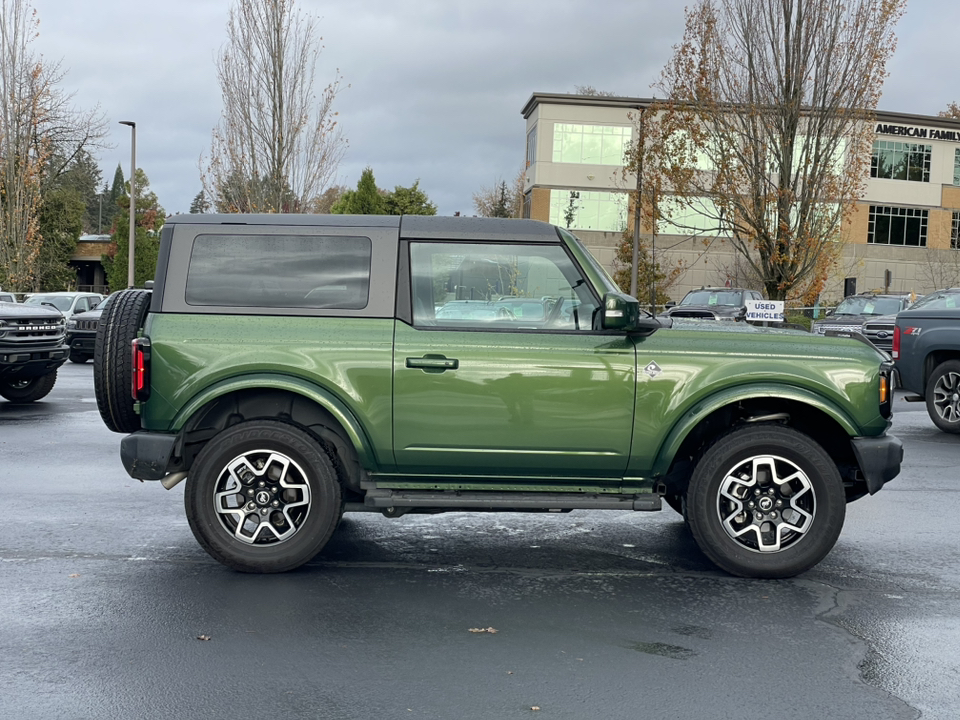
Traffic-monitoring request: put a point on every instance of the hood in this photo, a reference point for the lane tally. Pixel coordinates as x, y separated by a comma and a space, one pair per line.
89, 314
19, 311
708, 311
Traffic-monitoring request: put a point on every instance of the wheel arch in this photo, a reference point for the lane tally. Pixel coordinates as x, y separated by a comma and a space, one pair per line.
933, 360
806, 412
257, 397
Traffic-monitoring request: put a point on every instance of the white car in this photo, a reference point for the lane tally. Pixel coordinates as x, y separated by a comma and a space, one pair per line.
68, 303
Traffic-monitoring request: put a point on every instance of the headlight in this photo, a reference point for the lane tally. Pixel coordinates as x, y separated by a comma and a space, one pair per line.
71, 324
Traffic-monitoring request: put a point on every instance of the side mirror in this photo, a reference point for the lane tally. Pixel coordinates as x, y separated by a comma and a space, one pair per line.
620, 312
670, 304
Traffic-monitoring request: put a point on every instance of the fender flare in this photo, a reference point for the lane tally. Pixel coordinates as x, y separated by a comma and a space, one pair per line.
704, 407
266, 381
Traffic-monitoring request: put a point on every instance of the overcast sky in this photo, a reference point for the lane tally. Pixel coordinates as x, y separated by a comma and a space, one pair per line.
436, 86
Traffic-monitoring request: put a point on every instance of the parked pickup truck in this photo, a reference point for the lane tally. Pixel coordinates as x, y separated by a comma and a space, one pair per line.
295, 367
31, 350
926, 354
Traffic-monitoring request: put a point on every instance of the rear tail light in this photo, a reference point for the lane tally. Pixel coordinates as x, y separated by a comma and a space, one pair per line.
896, 342
140, 370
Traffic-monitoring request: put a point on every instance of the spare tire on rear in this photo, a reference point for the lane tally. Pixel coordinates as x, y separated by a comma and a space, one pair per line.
120, 324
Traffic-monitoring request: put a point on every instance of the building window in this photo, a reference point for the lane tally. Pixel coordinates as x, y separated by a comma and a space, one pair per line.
583, 210
956, 166
532, 146
527, 204
900, 161
955, 231
897, 226
589, 144
697, 216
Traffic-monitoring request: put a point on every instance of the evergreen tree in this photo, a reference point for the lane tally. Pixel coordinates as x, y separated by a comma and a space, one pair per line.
60, 223
200, 204
111, 199
501, 206
365, 200
149, 220
409, 201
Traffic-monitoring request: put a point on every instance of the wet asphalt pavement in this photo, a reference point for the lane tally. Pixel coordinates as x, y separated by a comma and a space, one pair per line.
104, 594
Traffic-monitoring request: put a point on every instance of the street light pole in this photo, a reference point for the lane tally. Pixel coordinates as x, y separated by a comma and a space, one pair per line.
133, 200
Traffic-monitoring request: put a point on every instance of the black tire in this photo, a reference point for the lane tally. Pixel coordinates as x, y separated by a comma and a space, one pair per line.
943, 396
733, 483
248, 541
27, 390
119, 324
78, 357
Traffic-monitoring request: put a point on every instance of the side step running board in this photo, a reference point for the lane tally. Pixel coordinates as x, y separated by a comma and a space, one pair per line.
381, 499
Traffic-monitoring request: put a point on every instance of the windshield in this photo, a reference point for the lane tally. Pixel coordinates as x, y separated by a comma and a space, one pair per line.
712, 297
869, 306
589, 259
60, 302
938, 301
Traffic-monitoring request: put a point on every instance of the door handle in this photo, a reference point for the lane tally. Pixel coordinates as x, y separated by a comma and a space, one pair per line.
435, 363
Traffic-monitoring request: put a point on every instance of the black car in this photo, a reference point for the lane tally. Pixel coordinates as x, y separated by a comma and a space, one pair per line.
82, 332
870, 314
714, 303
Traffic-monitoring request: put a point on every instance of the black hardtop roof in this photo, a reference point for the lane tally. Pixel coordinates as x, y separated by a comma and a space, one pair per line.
426, 227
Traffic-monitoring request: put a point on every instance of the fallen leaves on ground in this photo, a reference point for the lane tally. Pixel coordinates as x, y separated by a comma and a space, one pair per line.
483, 630
203, 637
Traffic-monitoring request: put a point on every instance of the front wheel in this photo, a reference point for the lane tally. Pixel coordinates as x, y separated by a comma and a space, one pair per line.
263, 497
28, 390
766, 501
943, 396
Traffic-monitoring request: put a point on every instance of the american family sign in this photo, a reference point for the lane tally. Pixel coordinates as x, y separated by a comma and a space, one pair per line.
918, 132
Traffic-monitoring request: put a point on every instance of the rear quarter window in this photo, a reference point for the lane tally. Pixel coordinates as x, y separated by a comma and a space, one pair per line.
279, 271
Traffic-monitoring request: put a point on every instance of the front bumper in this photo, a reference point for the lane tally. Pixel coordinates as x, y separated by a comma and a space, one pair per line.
879, 459
147, 455
31, 362
81, 342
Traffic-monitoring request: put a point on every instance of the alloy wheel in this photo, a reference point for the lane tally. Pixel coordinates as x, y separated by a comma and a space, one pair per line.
766, 503
262, 497
946, 397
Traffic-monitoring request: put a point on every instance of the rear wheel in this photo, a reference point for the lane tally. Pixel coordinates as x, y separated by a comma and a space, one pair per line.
28, 390
79, 357
120, 323
263, 497
943, 396
766, 501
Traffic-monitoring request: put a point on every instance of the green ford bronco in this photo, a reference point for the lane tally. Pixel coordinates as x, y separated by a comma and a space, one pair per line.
292, 368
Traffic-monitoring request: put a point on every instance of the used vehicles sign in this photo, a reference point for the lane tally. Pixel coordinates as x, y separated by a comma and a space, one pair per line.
764, 310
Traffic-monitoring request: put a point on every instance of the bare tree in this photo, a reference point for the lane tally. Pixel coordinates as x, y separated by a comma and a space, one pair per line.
766, 131
502, 199
41, 134
952, 111
592, 91
278, 145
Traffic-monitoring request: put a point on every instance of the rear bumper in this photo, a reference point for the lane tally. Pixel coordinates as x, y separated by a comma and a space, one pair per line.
146, 455
879, 459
